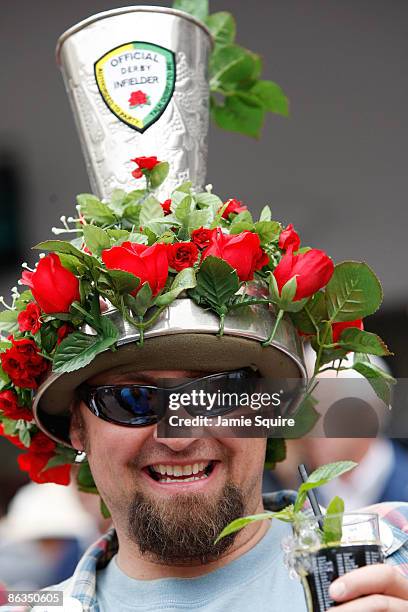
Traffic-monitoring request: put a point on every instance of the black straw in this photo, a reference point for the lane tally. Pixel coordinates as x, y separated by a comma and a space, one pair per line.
311, 494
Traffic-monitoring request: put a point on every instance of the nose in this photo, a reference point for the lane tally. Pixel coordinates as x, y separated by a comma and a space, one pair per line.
175, 444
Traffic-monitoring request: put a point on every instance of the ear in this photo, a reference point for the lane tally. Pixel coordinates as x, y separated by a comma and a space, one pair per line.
77, 431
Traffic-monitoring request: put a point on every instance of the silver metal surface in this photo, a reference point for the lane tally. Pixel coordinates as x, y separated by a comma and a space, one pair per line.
185, 316
179, 134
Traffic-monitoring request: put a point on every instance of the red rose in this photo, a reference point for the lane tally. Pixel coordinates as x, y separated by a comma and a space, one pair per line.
137, 98
40, 443
234, 206
242, 251
53, 286
23, 363
202, 237
289, 238
11, 409
144, 163
13, 439
63, 332
149, 263
182, 255
34, 464
337, 328
313, 270
166, 206
29, 319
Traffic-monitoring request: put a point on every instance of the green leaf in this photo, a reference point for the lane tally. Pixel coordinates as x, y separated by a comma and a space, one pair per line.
271, 97
49, 337
354, 339
333, 521
117, 201
159, 174
143, 299
185, 279
316, 307
72, 263
236, 115
266, 214
306, 418
151, 208
184, 187
182, 207
132, 214
64, 456
60, 246
78, 350
321, 476
242, 217
123, 282
380, 381
96, 239
242, 226
275, 452
104, 510
353, 292
85, 479
217, 283
285, 515
198, 218
197, 8
267, 230
230, 65
8, 320
94, 210
209, 200
222, 26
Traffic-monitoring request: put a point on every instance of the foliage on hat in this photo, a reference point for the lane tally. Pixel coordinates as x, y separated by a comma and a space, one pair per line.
138, 255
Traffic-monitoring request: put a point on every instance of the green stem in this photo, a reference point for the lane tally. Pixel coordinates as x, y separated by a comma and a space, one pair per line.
221, 328
321, 346
275, 327
141, 328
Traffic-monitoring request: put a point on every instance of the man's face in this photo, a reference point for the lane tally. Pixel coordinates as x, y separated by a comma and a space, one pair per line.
171, 496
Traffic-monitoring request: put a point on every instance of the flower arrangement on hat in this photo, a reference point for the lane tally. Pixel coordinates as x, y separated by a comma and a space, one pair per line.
139, 254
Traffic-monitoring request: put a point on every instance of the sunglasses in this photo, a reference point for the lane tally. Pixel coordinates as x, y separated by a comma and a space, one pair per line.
141, 405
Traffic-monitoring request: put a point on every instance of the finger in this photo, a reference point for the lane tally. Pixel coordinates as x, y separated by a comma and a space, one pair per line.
371, 579
374, 603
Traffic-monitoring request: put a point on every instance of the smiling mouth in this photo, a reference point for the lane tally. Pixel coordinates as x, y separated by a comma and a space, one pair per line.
180, 473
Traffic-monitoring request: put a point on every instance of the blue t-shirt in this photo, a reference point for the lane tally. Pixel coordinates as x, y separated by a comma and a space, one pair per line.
258, 580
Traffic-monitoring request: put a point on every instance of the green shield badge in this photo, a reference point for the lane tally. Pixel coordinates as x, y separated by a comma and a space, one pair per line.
136, 81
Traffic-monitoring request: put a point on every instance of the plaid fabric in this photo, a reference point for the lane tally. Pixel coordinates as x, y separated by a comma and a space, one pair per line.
82, 585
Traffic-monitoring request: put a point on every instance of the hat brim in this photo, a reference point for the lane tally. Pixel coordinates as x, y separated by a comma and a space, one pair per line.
174, 348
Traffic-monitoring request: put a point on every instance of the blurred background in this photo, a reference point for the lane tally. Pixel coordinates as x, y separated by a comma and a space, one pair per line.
336, 168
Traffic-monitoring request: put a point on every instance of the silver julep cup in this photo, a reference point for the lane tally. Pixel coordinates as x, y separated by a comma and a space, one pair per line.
137, 81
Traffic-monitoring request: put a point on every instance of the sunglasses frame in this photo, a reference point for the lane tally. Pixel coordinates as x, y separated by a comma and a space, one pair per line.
87, 393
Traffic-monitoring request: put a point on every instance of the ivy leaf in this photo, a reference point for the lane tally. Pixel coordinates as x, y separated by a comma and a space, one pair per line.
360, 341
197, 8
217, 283
333, 521
96, 239
150, 209
321, 476
271, 97
159, 174
236, 115
78, 350
353, 292
380, 381
185, 279
222, 26
94, 210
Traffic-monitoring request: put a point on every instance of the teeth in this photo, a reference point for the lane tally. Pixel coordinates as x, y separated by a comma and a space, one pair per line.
179, 470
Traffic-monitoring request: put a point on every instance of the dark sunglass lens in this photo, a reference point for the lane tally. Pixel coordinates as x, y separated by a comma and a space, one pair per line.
137, 406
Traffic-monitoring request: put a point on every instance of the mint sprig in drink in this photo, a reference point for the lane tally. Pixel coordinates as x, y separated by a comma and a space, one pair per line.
325, 546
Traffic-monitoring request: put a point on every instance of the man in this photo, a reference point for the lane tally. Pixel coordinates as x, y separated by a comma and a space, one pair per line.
169, 498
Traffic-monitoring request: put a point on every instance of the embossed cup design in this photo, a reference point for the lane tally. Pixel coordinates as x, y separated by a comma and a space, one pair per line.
137, 80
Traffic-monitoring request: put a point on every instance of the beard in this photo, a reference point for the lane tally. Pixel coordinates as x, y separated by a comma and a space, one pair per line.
184, 529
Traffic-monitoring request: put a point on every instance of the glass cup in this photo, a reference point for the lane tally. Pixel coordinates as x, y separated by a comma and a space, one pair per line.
323, 548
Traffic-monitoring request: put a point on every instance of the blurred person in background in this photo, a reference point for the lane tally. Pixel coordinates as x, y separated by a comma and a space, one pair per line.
382, 471
45, 532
